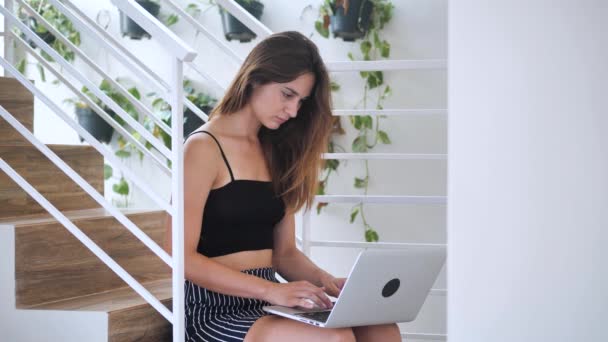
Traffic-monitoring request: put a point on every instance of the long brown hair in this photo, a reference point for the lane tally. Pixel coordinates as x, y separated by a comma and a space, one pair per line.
293, 151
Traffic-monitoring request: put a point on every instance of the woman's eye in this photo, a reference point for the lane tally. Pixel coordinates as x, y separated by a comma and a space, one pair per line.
287, 95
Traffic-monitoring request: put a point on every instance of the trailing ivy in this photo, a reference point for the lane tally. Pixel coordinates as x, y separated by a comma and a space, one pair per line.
375, 92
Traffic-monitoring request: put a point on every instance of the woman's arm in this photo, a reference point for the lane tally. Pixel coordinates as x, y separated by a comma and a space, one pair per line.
293, 265
201, 165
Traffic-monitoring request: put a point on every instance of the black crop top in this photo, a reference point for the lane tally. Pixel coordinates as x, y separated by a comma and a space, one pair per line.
239, 216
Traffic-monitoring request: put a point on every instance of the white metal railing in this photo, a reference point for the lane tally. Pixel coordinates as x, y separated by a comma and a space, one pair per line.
86, 186
172, 93
83, 80
417, 112
85, 135
384, 156
379, 199
200, 28
181, 53
349, 66
385, 65
94, 106
136, 103
90, 244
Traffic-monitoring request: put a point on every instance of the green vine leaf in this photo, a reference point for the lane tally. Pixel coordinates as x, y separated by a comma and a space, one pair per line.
107, 171
22, 65
361, 183
366, 46
41, 71
121, 188
123, 154
332, 164
368, 122
171, 20
353, 215
360, 144
371, 235
385, 49
334, 86
320, 206
193, 10
383, 136
323, 31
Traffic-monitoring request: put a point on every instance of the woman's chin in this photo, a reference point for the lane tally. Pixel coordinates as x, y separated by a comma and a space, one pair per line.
272, 125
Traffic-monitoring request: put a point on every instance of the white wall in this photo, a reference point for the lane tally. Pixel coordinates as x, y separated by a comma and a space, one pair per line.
417, 31
528, 171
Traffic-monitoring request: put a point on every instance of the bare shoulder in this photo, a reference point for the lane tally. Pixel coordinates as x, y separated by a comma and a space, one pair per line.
201, 153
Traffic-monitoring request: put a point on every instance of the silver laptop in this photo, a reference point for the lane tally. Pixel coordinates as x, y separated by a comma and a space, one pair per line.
384, 286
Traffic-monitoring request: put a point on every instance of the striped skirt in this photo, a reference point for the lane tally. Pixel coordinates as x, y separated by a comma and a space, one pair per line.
215, 317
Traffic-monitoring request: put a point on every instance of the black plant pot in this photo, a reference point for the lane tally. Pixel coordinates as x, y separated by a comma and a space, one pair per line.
47, 36
234, 29
128, 27
94, 124
192, 121
355, 23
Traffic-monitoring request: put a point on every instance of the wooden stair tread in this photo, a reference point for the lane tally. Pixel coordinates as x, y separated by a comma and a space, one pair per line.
37, 170
111, 301
46, 218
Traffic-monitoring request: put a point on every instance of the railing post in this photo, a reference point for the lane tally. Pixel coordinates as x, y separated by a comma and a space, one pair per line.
177, 182
9, 49
306, 233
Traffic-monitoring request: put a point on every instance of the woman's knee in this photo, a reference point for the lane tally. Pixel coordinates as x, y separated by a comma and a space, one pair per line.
341, 335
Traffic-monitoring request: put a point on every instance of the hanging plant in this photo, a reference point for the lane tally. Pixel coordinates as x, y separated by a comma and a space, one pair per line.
203, 101
102, 131
129, 28
57, 20
233, 28
375, 90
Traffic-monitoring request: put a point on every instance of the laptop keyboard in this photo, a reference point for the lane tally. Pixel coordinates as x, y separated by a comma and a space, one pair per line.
320, 316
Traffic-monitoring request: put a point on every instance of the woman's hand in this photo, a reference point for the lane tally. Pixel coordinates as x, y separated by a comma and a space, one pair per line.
297, 293
332, 285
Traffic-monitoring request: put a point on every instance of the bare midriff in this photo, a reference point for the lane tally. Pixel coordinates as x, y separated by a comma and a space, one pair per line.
246, 260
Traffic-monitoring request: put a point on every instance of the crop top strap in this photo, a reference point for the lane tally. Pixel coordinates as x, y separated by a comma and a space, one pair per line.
221, 151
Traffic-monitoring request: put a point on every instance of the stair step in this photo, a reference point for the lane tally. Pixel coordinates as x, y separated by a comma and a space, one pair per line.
52, 265
18, 101
130, 318
49, 180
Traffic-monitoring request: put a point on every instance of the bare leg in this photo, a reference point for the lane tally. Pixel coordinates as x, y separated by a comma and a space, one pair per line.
385, 333
274, 328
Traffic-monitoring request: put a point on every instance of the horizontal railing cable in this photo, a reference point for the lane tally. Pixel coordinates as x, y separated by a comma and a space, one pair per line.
103, 39
136, 103
92, 87
200, 28
384, 156
90, 244
145, 239
167, 38
386, 199
86, 136
94, 106
389, 112
159, 86
387, 64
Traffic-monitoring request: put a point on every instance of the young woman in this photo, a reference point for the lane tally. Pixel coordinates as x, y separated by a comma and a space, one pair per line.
247, 171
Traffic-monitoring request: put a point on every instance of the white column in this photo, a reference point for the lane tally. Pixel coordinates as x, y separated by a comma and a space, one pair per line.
177, 165
528, 171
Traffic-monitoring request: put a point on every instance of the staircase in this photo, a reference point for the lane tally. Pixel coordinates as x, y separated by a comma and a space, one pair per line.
52, 269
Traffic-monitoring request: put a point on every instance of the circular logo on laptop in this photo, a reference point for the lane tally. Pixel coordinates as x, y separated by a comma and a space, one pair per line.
390, 288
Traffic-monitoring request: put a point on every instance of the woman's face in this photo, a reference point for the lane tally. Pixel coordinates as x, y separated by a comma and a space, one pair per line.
275, 103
